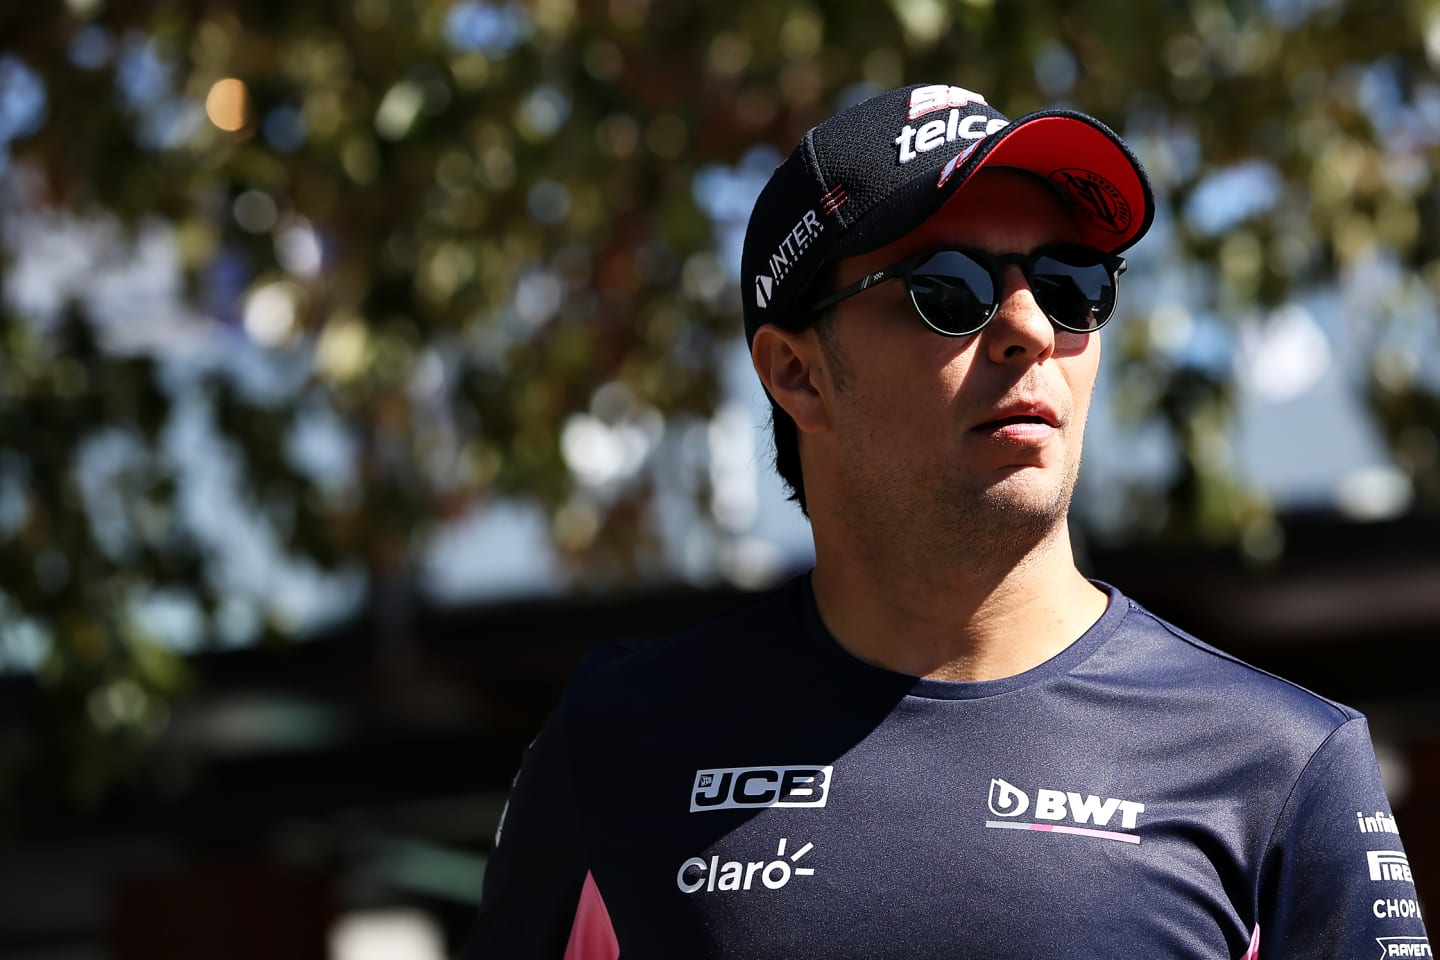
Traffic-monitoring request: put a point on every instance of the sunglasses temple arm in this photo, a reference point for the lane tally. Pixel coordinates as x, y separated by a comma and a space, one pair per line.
864, 283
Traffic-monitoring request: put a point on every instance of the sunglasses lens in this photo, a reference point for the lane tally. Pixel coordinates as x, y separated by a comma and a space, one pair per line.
1073, 288
952, 292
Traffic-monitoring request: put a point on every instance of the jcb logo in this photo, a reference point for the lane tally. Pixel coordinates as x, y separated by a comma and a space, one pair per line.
746, 788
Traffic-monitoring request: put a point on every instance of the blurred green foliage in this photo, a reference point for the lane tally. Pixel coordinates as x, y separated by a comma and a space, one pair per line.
445, 155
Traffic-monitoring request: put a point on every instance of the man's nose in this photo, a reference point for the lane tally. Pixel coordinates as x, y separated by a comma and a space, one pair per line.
1020, 331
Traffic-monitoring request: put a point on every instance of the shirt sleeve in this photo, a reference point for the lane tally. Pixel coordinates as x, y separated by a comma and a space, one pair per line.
1335, 881
536, 874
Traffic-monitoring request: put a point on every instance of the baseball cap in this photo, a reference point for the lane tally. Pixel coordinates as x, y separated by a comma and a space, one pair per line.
877, 170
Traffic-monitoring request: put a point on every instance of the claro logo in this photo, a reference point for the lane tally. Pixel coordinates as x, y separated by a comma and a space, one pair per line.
698, 875
749, 788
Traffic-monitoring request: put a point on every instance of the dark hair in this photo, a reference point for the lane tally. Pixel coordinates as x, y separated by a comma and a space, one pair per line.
782, 428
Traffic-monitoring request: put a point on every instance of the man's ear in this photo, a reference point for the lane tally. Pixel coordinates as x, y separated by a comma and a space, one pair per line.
787, 363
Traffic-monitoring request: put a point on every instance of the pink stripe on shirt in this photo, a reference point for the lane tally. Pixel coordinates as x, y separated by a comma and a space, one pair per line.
592, 937
1252, 954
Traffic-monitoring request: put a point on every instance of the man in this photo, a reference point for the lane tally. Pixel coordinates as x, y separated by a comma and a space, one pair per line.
945, 741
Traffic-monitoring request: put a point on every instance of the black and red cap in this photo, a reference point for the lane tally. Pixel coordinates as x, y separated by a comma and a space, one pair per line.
877, 170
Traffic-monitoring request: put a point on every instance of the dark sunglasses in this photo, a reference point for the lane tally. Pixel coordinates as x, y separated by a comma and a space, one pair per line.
956, 291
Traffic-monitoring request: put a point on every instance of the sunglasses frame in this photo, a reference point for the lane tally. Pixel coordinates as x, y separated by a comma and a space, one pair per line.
992, 263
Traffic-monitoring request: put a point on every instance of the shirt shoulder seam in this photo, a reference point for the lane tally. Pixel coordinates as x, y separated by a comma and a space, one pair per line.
1342, 713
1289, 797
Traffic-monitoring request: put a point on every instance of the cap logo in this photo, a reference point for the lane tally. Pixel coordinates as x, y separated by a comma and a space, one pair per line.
1096, 199
936, 133
790, 249
763, 286
954, 164
938, 96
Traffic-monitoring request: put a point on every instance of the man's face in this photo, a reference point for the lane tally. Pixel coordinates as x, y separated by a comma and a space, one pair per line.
971, 435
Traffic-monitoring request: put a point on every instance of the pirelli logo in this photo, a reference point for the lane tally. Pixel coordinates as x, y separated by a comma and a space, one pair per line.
751, 788
1389, 865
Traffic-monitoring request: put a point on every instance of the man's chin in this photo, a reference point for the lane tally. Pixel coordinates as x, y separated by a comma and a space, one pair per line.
1034, 498
1026, 484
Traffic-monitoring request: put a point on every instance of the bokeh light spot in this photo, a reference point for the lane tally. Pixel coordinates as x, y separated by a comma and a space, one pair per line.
90, 47
228, 105
549, 201
22, 99
618, 135
285, 129
270, 314
666, 136
729, 54
485, 27
603, 60
298, 249
543, 112
800, 34
255, 211
398, 109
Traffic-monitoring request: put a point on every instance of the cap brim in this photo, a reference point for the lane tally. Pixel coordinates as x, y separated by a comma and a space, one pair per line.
1087, 163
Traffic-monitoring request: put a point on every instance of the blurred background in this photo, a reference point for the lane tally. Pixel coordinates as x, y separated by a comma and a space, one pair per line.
363, 362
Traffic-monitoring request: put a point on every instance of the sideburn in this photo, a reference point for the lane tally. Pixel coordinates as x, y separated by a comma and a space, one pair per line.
838, 366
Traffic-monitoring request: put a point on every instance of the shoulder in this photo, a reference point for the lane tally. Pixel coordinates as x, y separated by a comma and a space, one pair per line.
1193, 669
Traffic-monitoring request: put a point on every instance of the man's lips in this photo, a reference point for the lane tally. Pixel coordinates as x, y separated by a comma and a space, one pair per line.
1022, 418
1024, 423
1037, 413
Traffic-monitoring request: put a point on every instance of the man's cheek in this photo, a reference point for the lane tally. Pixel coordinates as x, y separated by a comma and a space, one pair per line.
1068, 343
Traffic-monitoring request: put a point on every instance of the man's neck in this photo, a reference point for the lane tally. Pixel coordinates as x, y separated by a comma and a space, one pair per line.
972, 620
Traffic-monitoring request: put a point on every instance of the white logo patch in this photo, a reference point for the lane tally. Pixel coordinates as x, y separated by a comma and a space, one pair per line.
933, 134
1380, 823
1396, 907
1007, 800
954, 164
751, 788
786, 255
1054, 806
697, 874
938, 96
1389, 865
763, 287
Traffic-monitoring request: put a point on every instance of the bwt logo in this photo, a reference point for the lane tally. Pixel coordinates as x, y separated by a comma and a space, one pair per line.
750, 788
1008, 800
